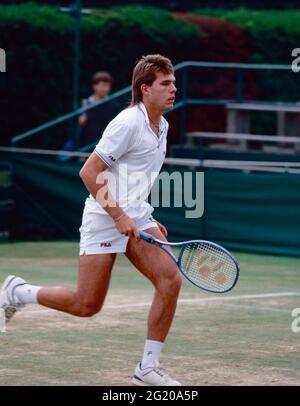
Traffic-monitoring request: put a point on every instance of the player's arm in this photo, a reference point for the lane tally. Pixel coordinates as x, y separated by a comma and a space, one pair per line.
92, 176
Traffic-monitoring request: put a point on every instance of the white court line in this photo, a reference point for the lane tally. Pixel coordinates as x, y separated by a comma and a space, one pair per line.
191, 301
255, 308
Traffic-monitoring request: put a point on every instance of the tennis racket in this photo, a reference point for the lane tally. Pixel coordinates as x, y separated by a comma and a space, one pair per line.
206, 264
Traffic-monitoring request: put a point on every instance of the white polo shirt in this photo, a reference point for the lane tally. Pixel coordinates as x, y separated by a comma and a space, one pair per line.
134, 155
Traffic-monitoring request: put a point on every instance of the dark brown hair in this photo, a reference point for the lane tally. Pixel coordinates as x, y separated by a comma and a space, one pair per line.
145, 73
101, 77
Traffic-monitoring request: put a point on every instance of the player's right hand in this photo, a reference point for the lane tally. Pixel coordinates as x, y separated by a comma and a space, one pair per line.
126, 226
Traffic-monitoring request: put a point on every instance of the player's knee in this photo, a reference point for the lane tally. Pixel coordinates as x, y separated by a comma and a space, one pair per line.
176, 282
170, 284
87, 309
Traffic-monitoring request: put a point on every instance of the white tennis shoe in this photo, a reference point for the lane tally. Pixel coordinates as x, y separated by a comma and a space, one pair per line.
8, 302
153, 376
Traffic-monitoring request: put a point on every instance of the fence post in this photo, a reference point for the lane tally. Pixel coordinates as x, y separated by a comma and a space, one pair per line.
182, 122
239, 85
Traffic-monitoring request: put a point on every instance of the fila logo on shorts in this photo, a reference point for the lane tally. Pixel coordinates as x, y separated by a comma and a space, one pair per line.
105, 244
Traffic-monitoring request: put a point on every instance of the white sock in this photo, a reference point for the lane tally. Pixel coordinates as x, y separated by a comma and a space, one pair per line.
26, 294
152, 352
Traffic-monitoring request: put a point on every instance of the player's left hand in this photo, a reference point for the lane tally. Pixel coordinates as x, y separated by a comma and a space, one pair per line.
162, 228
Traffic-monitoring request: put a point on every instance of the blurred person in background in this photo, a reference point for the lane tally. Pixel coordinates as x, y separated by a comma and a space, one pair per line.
101, 85
94, 121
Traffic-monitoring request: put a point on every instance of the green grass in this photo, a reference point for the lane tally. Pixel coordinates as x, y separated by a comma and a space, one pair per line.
220, 342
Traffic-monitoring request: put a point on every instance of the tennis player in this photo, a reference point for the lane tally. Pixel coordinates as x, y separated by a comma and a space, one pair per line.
134, 142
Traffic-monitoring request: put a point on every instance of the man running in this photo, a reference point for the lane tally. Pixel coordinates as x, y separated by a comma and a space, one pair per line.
133, 145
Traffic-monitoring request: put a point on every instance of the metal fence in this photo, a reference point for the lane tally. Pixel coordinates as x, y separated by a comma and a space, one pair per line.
198, 84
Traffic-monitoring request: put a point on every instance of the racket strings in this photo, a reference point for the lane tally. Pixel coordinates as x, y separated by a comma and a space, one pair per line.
208, 266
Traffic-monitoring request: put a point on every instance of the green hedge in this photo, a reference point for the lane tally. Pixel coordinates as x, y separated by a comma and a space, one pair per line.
273, 33
38, 41
272, 36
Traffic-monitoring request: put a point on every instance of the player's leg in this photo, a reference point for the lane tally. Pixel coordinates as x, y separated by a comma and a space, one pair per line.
86, 300
160, 269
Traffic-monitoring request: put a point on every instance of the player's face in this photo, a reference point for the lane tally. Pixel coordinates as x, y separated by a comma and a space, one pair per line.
162, 91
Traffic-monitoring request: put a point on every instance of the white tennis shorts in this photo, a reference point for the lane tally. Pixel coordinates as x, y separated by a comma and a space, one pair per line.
99, 235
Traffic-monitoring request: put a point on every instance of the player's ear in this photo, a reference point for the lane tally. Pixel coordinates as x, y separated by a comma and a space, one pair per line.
145, 89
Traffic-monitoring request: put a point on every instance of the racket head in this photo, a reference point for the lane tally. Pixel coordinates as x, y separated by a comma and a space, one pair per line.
208, 266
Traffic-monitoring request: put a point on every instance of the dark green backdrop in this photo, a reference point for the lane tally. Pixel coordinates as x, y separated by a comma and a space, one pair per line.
248, 211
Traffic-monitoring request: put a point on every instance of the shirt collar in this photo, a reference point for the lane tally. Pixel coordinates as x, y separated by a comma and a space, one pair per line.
144, 110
